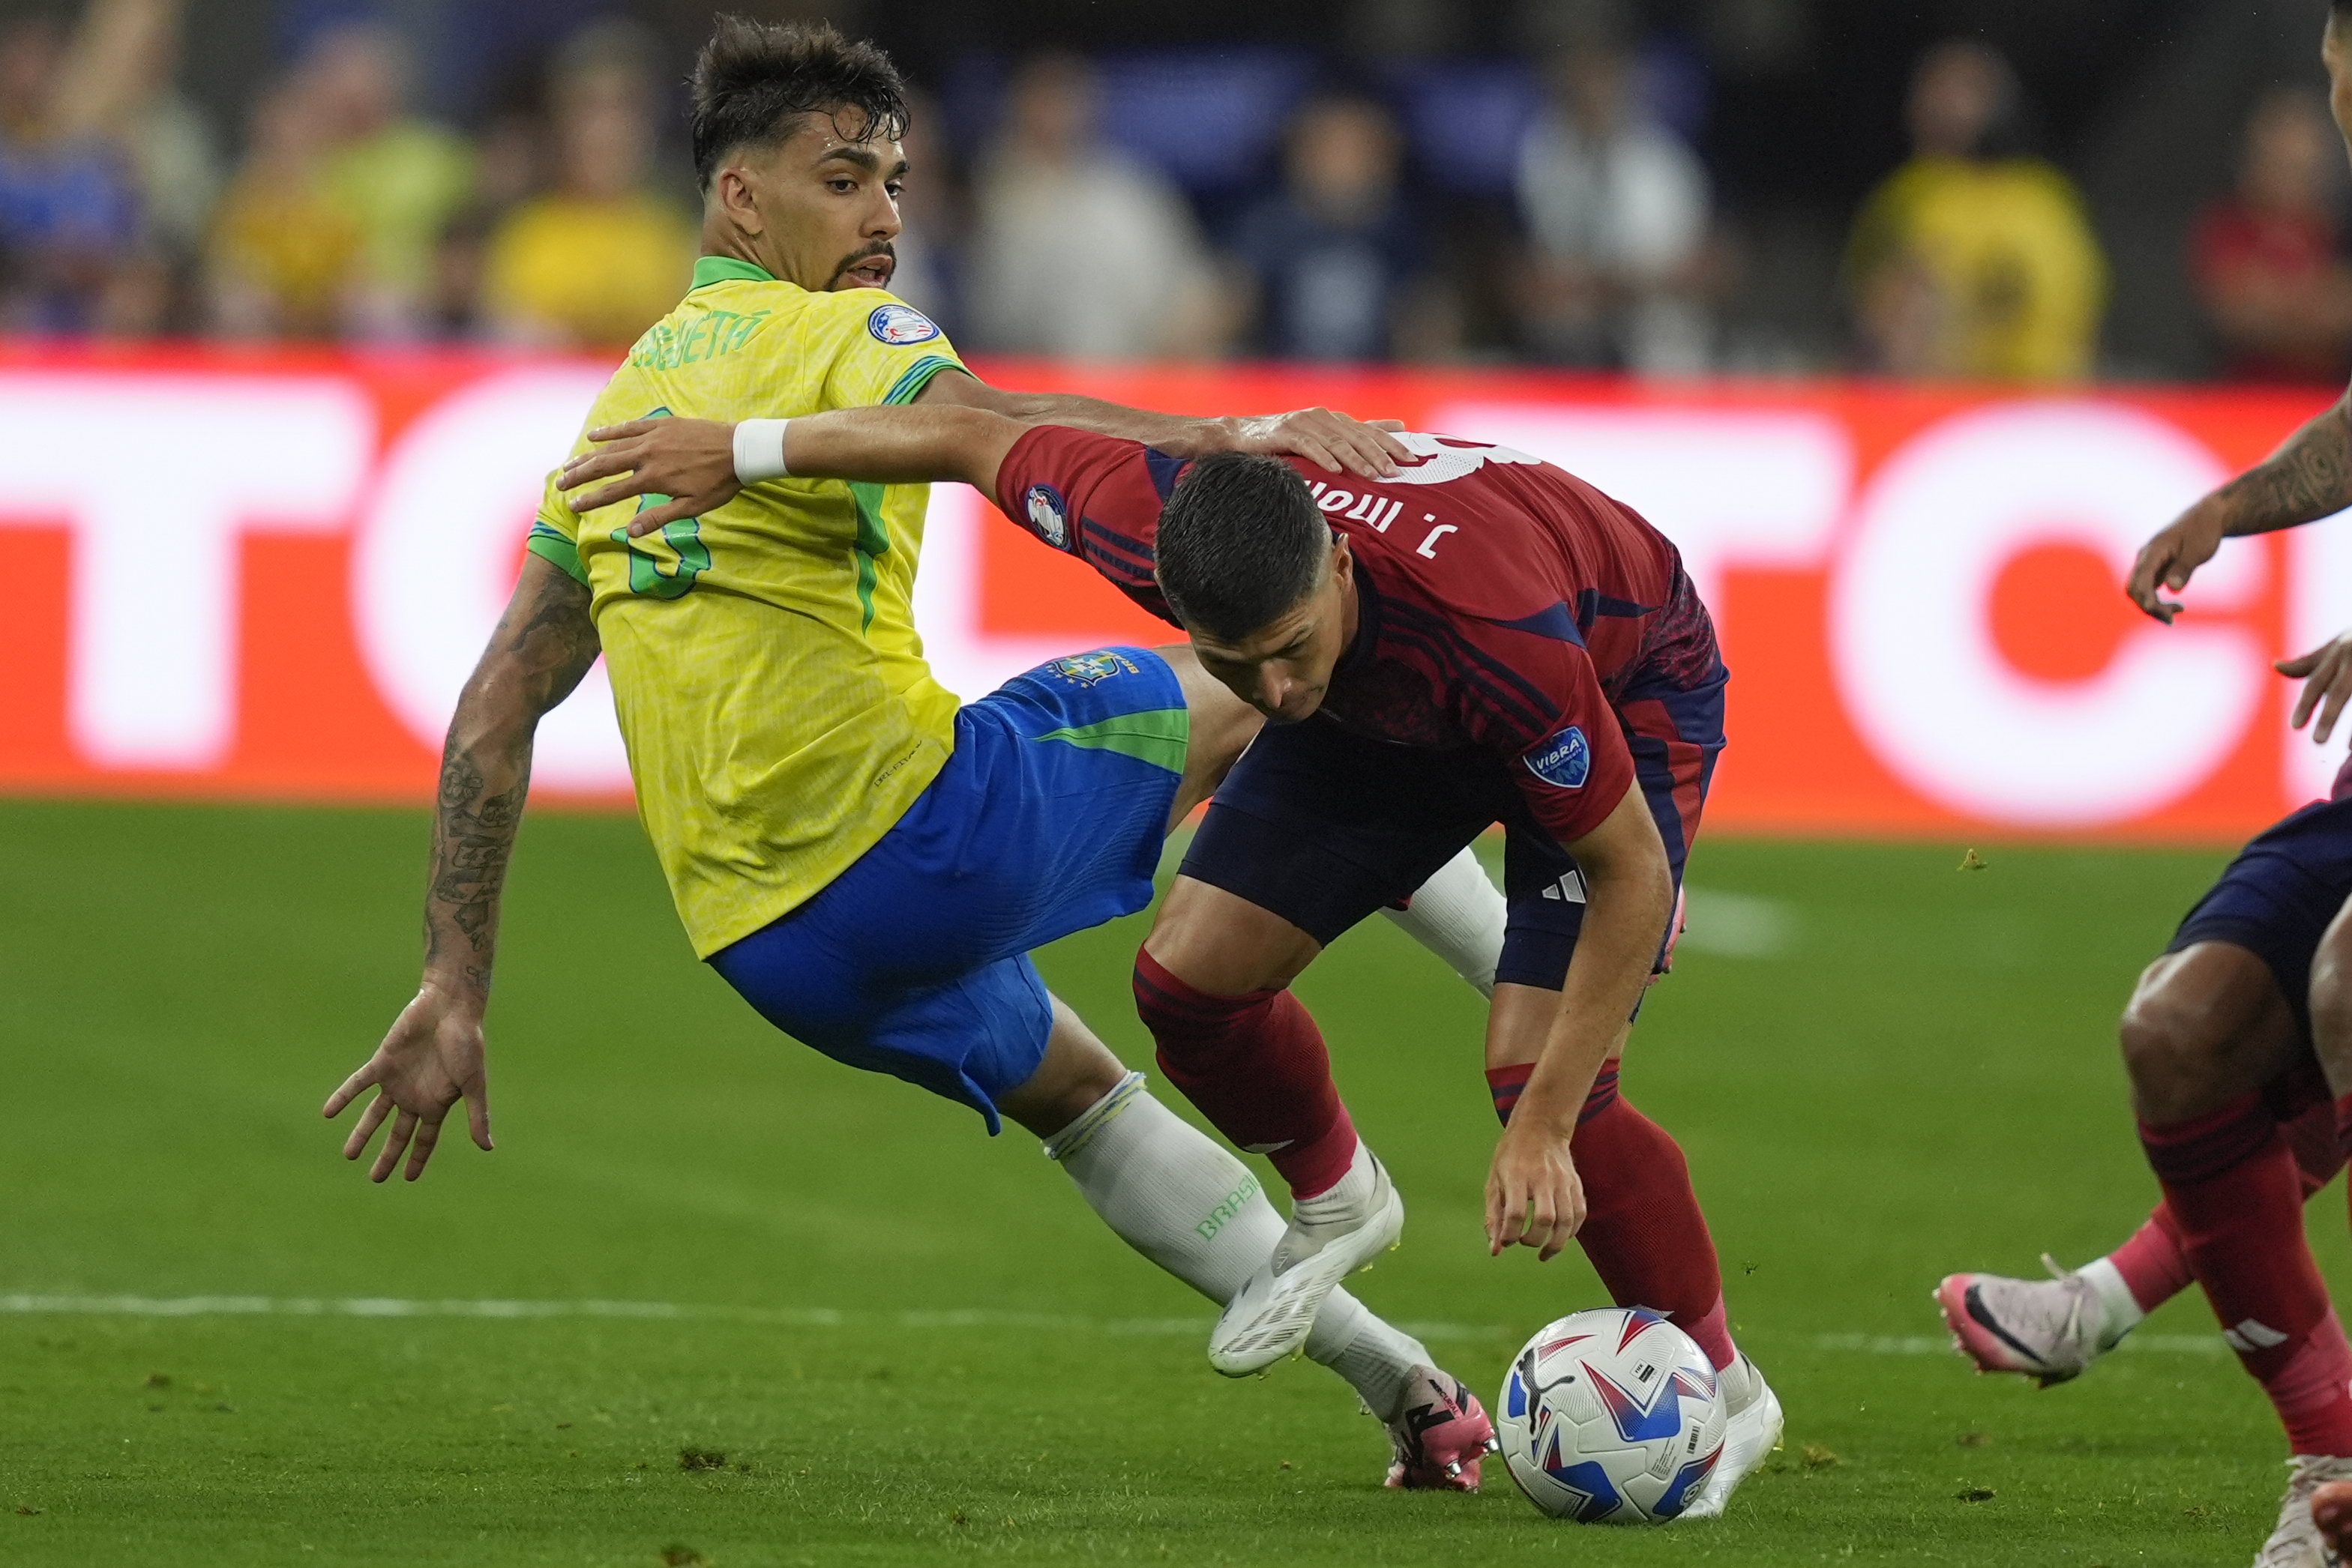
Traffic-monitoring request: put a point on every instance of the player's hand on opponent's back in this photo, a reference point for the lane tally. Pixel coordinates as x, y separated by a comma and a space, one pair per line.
689, 463
2171, 559
1332, 441
2327, 675
430, 1060
1534, 1196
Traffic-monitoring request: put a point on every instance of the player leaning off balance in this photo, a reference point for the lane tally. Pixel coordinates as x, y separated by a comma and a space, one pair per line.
865, 863
1477, 638
2238, 1042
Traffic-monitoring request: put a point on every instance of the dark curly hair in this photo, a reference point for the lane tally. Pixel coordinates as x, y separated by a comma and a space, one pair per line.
754, 80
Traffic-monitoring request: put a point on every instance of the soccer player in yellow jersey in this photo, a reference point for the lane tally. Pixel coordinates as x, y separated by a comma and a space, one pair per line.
866, 862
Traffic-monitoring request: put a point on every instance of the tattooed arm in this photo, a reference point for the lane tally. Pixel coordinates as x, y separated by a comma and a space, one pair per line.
2307, 478
432, 1056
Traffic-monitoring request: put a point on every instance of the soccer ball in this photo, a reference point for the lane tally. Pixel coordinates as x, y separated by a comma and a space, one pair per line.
1611, 1416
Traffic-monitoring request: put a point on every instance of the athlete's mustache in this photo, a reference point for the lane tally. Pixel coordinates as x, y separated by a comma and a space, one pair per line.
879, 247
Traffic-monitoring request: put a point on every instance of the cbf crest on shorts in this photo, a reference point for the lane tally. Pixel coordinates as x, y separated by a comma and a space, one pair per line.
900, 326
1565, 760
1049, 515
1092, 669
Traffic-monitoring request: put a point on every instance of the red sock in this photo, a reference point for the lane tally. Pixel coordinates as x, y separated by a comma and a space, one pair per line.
2153, 1266
2231, 1182
2152, 1263
1643, 1229
1255, 1066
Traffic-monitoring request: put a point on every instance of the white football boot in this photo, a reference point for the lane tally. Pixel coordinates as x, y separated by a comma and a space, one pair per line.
2049, 1330
2297, 1542
1750, 1433
1331, 1235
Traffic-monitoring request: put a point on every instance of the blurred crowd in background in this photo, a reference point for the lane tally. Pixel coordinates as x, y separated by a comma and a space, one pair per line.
1558, 201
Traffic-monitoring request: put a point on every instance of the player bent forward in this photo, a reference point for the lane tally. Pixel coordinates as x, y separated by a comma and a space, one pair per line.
867, 863
1478, 638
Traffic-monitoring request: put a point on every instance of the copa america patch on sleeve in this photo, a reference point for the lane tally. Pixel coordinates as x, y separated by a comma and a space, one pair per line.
1049, 515
1565, 760
900, 326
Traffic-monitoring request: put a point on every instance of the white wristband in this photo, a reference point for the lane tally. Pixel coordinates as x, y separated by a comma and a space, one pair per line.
760, 450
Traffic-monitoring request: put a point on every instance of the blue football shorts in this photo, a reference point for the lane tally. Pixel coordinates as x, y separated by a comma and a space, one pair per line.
1323, 827
2277, 897
1047, 818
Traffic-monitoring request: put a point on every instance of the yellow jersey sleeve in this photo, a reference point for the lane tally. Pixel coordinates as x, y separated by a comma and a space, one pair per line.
555, 531
888, 354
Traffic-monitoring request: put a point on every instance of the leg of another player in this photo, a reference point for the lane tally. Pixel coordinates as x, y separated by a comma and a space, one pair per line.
1212, 983
1172, 1193
2331, 1020
1644, 1231
2050, 1329
2206, 1030
2206, 1027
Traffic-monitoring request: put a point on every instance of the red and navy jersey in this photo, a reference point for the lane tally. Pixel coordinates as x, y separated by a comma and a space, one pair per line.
1503, 603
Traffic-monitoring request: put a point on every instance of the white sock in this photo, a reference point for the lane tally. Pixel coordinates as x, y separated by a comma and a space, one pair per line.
1458, 914
1346, 1199
2123, 1312
1172, 1193
1375, 1358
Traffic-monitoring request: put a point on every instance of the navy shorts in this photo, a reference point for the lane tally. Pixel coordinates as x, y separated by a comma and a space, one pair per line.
1323, 827
1047, 818
2277, 897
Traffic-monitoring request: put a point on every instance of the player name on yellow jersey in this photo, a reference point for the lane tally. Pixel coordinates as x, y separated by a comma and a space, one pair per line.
779, 715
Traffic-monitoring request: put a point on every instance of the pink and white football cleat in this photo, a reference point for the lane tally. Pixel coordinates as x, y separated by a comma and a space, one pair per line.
2049, 1329
1440, 1436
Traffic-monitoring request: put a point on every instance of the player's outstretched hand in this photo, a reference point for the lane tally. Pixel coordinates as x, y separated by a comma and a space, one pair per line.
2327, 675
2171, 559
431, 1058
688, 465
1333, 441
1534, 1196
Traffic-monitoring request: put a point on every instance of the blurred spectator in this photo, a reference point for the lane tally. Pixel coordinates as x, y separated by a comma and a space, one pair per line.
121, 85
69, 210
508, 160
1331, 258
1079, 251
284, 255
400, 178
601, 257
2266, 259
1973, 259
1616, 208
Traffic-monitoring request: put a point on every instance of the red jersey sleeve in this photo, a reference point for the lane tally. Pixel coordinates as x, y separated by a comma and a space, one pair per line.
1576, 772
1095, 497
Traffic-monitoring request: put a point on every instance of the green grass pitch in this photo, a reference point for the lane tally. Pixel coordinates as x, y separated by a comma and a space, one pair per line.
910, 1344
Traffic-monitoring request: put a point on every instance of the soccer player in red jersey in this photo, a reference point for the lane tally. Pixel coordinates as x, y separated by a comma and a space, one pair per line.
1479, 638
2238, 1042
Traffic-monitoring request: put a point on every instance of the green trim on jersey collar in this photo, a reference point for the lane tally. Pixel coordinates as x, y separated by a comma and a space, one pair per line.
710, 269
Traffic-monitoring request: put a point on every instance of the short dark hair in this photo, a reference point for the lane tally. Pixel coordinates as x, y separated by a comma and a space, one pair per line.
1240, 543
754, 79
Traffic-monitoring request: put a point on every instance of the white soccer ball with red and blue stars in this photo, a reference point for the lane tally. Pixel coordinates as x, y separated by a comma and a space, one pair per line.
1611, 1416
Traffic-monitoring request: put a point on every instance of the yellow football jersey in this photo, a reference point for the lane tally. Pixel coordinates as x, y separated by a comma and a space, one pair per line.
779, 716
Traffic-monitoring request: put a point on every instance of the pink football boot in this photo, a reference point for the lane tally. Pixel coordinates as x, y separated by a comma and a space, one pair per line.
1440, 1436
